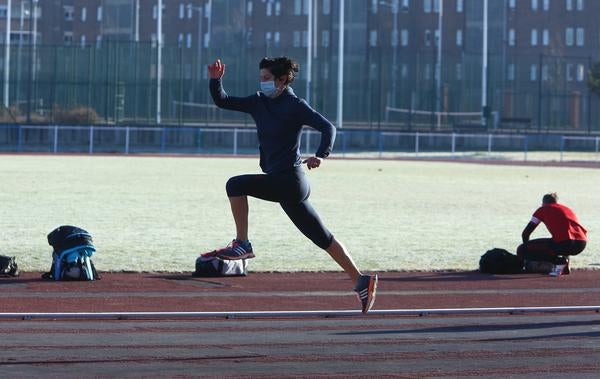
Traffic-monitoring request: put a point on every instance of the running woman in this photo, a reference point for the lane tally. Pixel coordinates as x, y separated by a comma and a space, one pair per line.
279, 116
569, 237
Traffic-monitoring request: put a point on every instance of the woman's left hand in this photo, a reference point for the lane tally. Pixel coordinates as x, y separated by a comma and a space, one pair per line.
312, 162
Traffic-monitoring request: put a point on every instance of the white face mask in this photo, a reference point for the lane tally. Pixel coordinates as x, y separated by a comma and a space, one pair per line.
268, 88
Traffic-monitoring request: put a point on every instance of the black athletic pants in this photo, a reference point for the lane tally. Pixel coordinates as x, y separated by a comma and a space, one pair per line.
545, 249
291, 190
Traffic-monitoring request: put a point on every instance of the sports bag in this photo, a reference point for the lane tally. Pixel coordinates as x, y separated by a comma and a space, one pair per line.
209, 265
71, 258
500, 261
8, 266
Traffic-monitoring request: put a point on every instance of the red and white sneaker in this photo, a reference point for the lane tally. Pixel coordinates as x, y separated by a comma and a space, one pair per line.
234, 251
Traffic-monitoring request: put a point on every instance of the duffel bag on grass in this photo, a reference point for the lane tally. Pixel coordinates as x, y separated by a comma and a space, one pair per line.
208, 265
500, 261
71, 258
8, 266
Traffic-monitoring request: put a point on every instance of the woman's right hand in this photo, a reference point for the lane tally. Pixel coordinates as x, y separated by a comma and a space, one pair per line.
216, 70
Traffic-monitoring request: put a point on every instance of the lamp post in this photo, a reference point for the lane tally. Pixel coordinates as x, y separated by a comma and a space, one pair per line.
7, 54
21, 25
200, 35
340, 91
395, 8
159, 45
438, 68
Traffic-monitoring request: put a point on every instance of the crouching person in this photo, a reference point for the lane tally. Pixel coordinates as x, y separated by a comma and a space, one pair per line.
551, 255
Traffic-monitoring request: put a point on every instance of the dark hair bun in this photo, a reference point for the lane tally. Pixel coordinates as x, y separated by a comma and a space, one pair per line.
281, 66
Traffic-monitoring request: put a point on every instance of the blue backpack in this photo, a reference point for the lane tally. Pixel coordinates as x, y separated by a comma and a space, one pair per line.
71, 258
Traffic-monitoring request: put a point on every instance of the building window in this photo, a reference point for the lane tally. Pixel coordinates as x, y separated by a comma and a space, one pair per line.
325, 73
98, 41
545, 73
154, 11
546, 37
181, 11
569, 37
180, 40
249, 8
546, 5
579, 5
512, 4
580, 73
325, 38
296, 39
405, 5
153, 39
304, 38
569, 5
512, 39
459, 6
404, 37
534, 37
206, 42
510, 72
373, 38
305, 4
427, 75
374, 6
68, 38
569, 72
436, 6
580, 40
83, 14
188, 41
326, 7
437, 38
68, 11
99, 13
268, 38
533, 72
277, 39
404, 71
297, 7
459, 37
190, 11
394, 39
278, 8
269, 8
427, 37
82, 40
534, 5
459, 71
427, 6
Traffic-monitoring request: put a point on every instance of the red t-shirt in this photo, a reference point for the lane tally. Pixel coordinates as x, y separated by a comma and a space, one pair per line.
560, 221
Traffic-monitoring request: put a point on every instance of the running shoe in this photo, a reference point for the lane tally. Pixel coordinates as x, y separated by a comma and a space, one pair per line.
235, 250
365, 289
561, 267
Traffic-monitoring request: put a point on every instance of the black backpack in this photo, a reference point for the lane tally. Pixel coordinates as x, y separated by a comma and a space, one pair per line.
8, 266
500, 261
71, 258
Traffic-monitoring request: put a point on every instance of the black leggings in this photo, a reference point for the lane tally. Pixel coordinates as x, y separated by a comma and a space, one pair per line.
545, 249
291, 190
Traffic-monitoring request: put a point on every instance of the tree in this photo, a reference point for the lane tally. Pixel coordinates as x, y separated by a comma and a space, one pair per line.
594, 79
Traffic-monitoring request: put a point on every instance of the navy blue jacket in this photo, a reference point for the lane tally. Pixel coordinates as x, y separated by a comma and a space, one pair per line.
279, 124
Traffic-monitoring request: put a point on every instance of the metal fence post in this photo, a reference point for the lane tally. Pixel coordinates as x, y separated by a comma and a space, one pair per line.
453, 144
91, 149
417, 144
235, 141
55, 149
127, 140
380, 143
489, 144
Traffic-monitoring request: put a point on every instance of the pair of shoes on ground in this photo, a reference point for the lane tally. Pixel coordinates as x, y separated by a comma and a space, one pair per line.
366, 286
561, 267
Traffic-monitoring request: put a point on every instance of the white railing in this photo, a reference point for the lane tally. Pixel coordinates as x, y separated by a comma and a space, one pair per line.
349, 143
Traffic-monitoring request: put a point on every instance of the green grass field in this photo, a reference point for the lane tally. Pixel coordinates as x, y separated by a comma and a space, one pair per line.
158, 213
